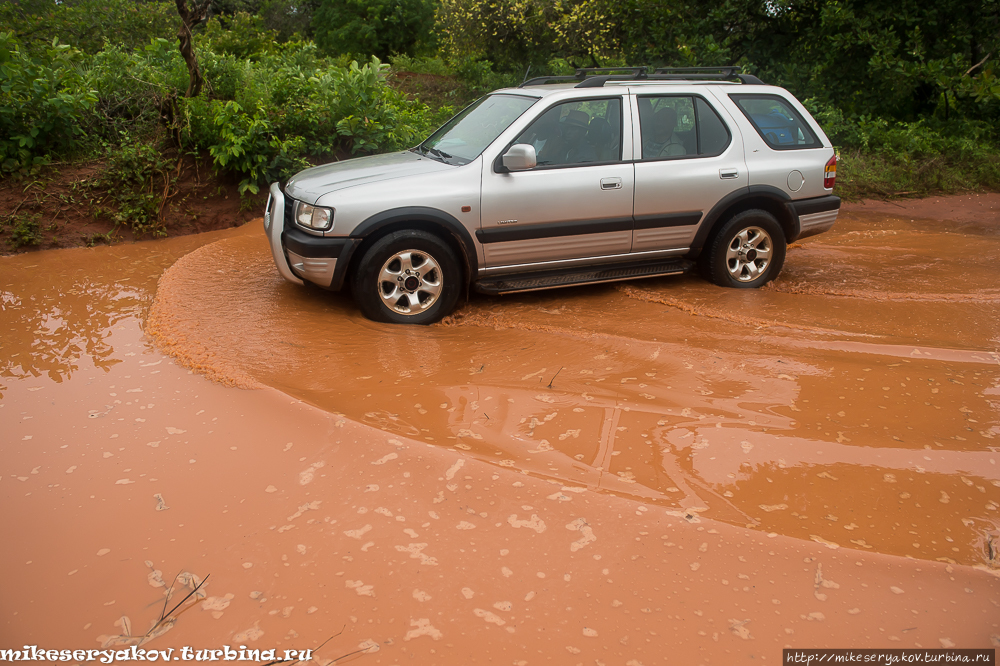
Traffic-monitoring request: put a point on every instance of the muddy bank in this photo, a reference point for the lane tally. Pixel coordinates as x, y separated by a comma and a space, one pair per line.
68, 206
660, 470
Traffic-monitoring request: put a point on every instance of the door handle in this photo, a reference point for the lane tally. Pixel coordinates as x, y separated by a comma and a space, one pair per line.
729, 173
611, 183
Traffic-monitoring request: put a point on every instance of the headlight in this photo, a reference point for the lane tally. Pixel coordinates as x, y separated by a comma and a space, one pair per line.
314, 217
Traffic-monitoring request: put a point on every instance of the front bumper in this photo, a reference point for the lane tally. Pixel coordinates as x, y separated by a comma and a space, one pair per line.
300, 256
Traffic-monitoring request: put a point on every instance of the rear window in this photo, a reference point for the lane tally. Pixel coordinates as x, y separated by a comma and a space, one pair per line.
777, 122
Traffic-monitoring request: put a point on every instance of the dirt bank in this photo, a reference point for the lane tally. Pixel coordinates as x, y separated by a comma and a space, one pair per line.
66, 206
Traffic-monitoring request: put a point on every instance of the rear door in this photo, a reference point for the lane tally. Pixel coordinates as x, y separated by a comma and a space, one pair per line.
576, 204
689, 156
783, 149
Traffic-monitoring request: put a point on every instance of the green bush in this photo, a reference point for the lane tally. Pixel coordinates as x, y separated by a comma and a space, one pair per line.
88, 25
24, 230
42, 103
130, 188
283, 114
130, 87
247, 144
244, 36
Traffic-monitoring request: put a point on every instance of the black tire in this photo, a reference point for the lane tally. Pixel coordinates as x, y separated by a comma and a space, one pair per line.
735, 256
428, 279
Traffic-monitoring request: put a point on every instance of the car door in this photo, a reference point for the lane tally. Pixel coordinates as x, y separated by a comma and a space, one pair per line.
689, 156
575, 204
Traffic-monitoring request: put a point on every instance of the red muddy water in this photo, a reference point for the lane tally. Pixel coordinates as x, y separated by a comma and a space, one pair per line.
654, 471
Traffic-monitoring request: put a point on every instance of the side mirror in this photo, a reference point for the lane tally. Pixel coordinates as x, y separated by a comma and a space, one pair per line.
520, 157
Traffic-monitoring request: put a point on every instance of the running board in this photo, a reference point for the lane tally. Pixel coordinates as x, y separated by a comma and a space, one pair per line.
538, 281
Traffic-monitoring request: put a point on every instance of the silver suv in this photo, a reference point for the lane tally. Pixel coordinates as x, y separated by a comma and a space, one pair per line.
598, 177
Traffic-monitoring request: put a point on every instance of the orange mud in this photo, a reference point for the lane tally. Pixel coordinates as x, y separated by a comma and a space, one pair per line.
655, 472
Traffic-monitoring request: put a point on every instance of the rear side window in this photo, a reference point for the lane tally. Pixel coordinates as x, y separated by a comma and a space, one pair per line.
777, 122
678, 126
712, 132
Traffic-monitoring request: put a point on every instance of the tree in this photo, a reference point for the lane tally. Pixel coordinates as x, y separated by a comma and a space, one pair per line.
190, 18
373, 27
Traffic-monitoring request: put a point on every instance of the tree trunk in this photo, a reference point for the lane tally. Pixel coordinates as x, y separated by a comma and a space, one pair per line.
189, 19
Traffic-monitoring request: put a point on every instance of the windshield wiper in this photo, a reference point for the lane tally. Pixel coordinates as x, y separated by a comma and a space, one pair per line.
435, 154
440, 153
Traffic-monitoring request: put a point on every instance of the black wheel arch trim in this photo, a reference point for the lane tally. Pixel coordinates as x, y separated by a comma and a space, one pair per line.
381, 220
764, 196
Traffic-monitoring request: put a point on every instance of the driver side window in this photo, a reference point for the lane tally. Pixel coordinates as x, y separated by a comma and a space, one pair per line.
577, 132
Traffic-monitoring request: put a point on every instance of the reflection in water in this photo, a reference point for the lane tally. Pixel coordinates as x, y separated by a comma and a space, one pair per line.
60, 306
834, 406
64, 326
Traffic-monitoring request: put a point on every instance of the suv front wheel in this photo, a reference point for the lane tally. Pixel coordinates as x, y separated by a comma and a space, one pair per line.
407, 277
747, 252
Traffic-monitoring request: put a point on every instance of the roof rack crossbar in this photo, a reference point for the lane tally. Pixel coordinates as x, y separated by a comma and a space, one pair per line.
596, 77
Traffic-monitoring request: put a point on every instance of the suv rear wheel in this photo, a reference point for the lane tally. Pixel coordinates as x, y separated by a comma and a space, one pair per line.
407, 277
747, 252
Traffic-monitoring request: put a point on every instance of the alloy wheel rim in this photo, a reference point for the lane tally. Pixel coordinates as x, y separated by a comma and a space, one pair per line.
749, 254
410, 282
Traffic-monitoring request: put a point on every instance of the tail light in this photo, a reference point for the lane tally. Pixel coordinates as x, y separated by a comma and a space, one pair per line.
830, 173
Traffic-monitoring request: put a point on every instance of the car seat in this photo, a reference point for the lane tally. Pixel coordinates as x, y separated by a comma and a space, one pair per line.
599, 136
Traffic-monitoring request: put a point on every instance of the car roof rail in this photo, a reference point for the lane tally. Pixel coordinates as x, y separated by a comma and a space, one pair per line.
584, 75
596, 77
707, 73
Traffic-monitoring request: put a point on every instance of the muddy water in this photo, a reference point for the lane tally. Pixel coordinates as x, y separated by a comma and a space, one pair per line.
546, 475
852, 402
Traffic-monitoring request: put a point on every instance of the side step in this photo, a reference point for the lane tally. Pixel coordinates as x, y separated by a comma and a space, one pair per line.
537, 281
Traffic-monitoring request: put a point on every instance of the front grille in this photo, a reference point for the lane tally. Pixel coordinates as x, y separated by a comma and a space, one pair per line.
289, 212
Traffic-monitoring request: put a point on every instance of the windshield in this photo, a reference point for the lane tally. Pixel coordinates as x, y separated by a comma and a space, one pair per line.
464, 137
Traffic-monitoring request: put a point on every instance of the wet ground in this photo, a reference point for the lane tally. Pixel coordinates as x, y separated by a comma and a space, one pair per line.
572, 476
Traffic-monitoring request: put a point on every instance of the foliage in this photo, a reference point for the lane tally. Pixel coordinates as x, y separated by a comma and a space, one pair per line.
290, 19
42, 102
908, 90
867, 175
883, 158
373, 27
900, 59
24, 230
282, 113
509, 33
242, 36
247, 144
435, 65
88, 24
133, 185
130, 87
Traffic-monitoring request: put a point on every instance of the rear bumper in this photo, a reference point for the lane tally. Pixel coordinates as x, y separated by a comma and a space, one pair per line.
815, 215
300, 256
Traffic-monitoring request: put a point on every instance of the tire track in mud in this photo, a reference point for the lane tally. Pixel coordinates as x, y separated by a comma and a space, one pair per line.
986, 296
744, 320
